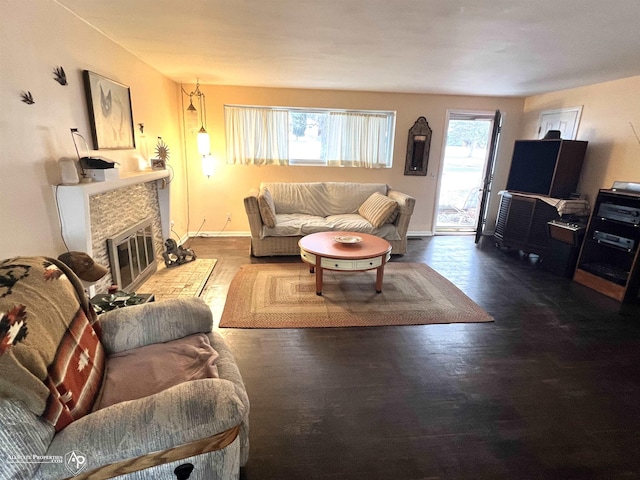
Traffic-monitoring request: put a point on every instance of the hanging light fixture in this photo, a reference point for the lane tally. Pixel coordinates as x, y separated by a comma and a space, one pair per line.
191, 117
204, 142
203, 139
208, 165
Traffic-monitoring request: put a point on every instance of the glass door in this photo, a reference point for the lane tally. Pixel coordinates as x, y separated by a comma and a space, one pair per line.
463, 172
492, 154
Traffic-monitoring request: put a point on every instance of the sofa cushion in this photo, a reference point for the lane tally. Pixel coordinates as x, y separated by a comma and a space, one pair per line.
296, 224
153, 322
321, 199
147, 370
378, 209
292, 225
353, 222
266, 207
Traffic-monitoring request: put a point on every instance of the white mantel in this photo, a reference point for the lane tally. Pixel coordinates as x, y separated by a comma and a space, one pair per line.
73, 202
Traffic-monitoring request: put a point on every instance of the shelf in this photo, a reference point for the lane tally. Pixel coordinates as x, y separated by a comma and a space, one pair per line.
125, 180
608, 260
607, 271
617, 224
612, 246
599, 284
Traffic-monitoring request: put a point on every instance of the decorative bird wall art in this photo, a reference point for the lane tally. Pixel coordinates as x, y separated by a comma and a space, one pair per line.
60, 76
27, 98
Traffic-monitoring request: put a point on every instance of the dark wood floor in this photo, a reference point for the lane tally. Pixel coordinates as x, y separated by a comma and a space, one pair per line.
550, 390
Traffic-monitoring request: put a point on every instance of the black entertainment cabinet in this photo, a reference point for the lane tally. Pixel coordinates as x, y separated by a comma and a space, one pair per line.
608, 261
522, 223
543, 174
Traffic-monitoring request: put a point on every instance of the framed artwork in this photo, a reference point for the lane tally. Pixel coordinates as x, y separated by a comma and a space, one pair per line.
158, 164
110, 114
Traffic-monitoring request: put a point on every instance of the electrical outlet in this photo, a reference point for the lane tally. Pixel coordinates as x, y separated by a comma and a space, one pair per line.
228, 217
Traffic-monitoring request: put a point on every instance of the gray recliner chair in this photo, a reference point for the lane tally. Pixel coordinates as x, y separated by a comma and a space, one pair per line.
137, 433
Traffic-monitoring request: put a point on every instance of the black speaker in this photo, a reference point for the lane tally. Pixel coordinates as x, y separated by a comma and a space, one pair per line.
546, 167
565, 241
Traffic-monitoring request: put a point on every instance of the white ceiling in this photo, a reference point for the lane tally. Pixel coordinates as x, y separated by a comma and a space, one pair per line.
490, 47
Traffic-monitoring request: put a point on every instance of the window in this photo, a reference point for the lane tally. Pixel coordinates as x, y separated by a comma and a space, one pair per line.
301, 136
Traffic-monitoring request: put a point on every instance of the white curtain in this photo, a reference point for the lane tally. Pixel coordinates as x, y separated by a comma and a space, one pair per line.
357, 139
257, 136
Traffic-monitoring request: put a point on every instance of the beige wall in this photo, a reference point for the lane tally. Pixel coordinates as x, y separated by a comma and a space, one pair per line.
211, 198
37, 36
609, 110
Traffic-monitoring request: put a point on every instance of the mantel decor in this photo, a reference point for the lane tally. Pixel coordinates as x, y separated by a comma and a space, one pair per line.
418, 146
162, 155
110, 113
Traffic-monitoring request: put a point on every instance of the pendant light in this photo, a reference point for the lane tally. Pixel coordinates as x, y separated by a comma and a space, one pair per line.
203, 141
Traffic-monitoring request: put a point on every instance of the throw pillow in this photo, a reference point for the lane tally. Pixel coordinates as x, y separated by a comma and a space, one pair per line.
267, 207
377, 209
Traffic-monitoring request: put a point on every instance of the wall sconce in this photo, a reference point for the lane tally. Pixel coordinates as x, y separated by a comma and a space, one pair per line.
203, 139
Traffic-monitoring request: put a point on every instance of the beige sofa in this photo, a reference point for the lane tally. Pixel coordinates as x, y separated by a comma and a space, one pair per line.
298, 209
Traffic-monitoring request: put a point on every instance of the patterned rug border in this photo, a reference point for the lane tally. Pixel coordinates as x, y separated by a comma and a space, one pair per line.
446, 303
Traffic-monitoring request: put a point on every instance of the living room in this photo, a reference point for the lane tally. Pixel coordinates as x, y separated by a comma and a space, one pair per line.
39, 36
608, 114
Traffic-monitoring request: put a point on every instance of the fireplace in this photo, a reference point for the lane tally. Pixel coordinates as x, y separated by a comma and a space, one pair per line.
91, 213
131, 256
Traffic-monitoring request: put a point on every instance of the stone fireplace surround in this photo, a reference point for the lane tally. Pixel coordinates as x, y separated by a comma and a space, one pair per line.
92, 212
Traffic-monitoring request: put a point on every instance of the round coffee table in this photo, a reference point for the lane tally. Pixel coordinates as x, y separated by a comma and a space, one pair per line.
323, 252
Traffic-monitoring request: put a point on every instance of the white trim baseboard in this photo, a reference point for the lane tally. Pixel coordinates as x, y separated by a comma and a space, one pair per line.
225, 233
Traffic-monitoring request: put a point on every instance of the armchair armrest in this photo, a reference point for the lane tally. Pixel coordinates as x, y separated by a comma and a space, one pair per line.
206, 445
155, 322
180, 415
406, 205
253, 212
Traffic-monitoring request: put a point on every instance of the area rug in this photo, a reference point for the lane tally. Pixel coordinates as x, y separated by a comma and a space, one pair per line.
186, 280
284, 296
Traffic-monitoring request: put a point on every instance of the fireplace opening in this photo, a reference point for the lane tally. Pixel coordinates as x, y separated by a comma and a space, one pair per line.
132, 256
